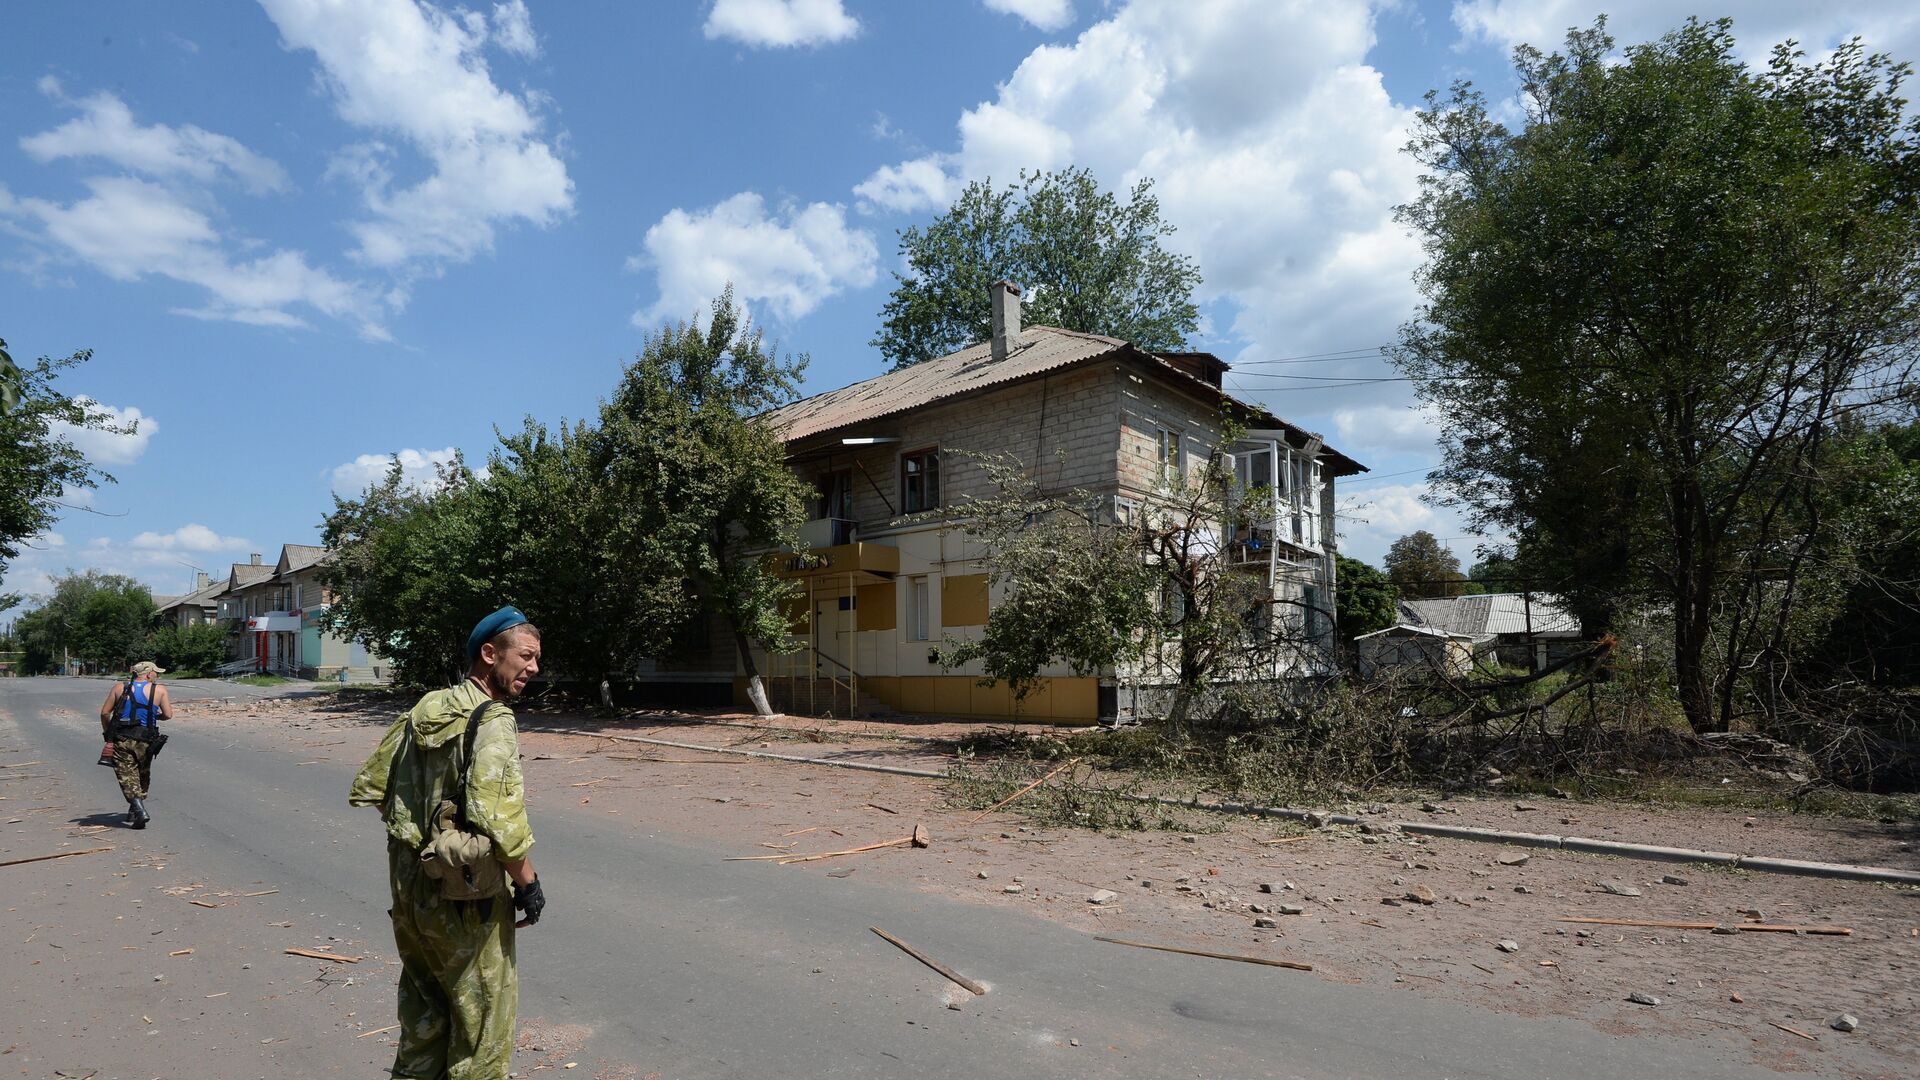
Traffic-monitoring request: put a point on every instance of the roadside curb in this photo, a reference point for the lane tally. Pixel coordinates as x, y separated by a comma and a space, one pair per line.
1619, 849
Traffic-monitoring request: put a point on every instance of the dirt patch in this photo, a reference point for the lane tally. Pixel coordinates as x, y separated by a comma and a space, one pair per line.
1353, 902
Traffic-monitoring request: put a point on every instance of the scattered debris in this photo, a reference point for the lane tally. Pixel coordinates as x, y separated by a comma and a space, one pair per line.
61, 855
1103, 896
1513, 858
1672, 879
203, 903
376, 1031
1507, 945
1003, 802
1844, 1022
884, 809
1423, 895
1201, 952
262, 892
181, 952
1794, 1031
957, 979
1016, 887
1619, 888
1639, 998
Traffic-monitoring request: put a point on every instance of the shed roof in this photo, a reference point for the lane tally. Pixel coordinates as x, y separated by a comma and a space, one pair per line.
1409, 630
1493, 613
297, 557
1037, 350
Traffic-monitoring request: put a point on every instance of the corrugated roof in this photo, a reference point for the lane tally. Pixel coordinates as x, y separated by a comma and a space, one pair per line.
1038, 350
297, 557
1493, 613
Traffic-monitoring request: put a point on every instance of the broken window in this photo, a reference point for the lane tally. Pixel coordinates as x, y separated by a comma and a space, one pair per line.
1167, 453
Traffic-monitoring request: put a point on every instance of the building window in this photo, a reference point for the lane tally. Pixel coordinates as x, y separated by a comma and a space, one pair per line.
919, 481
919, 617
1167, 452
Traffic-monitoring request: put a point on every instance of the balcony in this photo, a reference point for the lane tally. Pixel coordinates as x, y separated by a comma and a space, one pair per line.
828, 532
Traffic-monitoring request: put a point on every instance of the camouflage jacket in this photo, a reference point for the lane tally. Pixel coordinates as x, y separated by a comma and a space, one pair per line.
417, 765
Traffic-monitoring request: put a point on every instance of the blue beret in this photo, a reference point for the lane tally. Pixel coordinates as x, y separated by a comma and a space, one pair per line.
490, 628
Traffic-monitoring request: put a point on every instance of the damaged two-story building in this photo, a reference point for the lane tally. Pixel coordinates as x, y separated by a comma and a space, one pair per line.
889, 571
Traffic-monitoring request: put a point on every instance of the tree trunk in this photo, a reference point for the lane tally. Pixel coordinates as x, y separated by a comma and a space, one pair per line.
756, 690
606, 695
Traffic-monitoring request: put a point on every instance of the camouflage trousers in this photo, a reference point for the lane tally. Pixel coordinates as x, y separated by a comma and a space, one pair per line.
459, 991
133, 767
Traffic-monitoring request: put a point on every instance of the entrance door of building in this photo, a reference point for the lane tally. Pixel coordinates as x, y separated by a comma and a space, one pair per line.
833, 632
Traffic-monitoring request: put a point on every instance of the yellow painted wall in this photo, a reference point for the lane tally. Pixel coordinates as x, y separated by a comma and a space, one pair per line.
963, 600
1060, 700
876, 608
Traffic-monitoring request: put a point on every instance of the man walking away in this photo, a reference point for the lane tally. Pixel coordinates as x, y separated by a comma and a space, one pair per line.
447, 781
130, 721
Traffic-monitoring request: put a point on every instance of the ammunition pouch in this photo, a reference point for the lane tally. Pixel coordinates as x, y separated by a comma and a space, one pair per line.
461, 861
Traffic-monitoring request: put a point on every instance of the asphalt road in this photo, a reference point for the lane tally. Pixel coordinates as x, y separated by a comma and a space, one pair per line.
654, 956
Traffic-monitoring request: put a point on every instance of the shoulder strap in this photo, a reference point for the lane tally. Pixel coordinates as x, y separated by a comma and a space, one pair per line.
466, 753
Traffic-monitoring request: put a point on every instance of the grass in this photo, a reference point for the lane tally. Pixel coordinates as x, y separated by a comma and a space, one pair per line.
263, 680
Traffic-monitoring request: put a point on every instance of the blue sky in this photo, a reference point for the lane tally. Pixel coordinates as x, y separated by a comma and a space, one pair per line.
301, 235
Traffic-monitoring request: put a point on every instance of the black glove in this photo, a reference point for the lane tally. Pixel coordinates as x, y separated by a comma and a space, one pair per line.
530, 899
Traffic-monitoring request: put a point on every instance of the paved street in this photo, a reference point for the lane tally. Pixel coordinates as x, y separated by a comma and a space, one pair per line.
655, 957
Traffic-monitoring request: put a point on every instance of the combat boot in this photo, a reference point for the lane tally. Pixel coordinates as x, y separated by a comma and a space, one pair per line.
137, 810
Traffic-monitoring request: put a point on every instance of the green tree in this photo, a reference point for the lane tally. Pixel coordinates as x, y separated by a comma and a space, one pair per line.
696, 483
37, 463
1422, 569
188, 652
1086, 261
1367, 599
1647, 309
412, 571
101, 619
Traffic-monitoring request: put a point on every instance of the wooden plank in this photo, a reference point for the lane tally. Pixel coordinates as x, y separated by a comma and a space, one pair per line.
1204, 954
1761, 928
316, 954
61, 855
976, 818
957, 979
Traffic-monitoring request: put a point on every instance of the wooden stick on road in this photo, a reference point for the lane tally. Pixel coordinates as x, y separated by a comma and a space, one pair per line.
952, 976
976, 818
1203, 952
1762, 928
61, 855
316, 954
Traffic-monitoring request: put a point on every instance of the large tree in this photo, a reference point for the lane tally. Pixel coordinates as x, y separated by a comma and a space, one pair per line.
1422, 568
96, 617
37, 462
1648, 307
1367, 599
1084, 259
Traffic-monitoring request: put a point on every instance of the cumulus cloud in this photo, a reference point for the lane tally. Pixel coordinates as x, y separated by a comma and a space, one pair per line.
188, 538
1274, 148
129, 228
417, 468
1893, 28
1045, 14
779, 24
418, 74
789, 259
513, 29
131, 431
106, 129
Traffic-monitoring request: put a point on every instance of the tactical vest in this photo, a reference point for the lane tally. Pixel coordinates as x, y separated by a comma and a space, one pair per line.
137, 719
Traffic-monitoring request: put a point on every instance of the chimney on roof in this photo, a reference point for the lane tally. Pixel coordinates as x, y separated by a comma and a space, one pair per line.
1006, 317
200, 580
256, 558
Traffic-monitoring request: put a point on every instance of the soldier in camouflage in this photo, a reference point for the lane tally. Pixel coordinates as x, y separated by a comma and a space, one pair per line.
459, 991
130, 723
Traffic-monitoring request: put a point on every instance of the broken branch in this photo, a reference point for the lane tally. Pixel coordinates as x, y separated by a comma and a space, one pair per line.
975, 819
315, 954
1764, 928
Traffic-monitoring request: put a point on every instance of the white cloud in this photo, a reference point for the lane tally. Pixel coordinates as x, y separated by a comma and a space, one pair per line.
790, 260
1045, 14
779, 24
417, 468
1274, 148
1757, 26
513, 29
1380, 430
417, 73
130, 228
188, 538
908, 186
122, 447
106, 129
